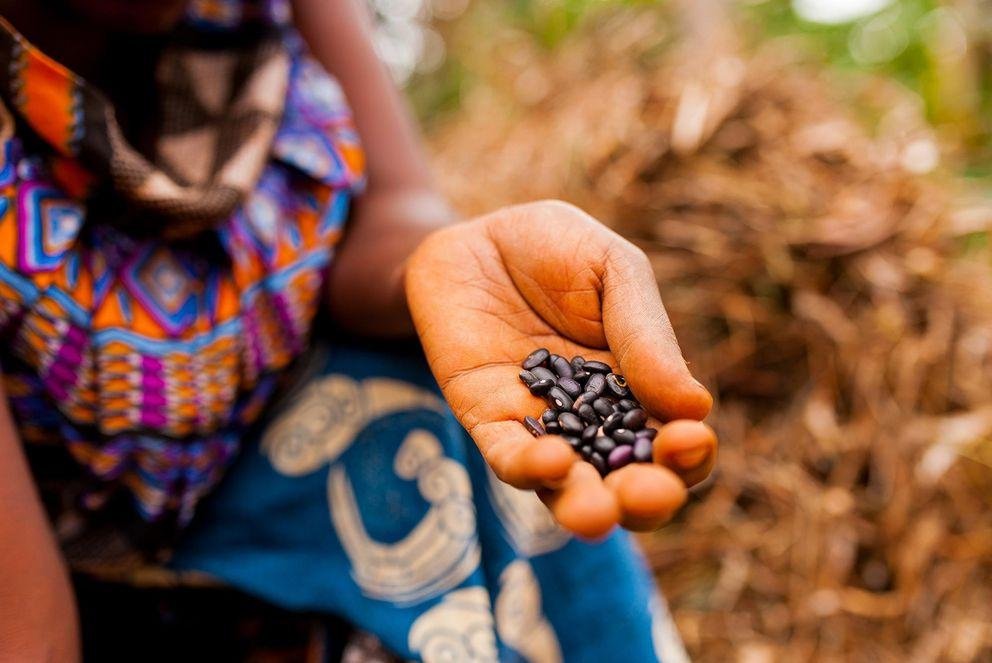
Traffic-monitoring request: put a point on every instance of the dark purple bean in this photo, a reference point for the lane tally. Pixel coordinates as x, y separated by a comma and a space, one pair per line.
535, 359
585, 398
599, 463
596, 383
570, 424
596, 367
627, 405
542, 373
604, 445
647, 433
588, 414
561, 366
527, 378
541, 387
570, 387
549, 416
581, 376
589, 434
620, 457
574, 442
635, 419
533, 426
586, 451
613, 422
643, 450
553, 428
577, 362
559, 398
603, 407
617, 384
623, 436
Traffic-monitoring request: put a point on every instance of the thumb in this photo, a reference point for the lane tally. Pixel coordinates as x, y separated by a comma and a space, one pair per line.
641, 338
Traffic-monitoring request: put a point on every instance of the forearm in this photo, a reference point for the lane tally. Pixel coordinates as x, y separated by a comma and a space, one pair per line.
37, 612
366, 281
401, 206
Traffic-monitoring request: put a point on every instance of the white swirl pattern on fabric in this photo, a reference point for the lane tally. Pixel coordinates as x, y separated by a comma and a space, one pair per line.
329, 413
528, 523
438, 554
459, 629
520, 620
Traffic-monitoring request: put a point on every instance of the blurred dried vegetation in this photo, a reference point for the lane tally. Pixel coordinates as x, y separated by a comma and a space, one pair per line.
838, 303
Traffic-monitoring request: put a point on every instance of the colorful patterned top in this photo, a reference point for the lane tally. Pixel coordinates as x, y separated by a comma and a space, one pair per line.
148, 302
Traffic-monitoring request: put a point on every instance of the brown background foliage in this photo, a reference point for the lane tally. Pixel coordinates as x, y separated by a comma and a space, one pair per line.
830, 298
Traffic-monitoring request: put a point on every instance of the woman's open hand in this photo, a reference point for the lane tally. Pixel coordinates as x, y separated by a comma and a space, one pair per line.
485, 293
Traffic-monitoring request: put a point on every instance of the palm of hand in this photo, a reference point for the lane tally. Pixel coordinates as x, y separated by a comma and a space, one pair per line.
484, 294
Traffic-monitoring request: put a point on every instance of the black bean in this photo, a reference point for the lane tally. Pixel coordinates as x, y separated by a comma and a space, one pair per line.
535, 359
603, 407
623, 436
648, 433
643, 450
570, 387
570, 424
617, 384
627, 405
549, 416
559, 398
581, 376
620, 457
542, 373
553, 428
589, 433
635, 419
596, 367
613, 422
586, 451
561, 366
541, 387
604, 445
596, 383
527, 378
574, 442
599, 463
583, 399
588, 414
533, 426
578, 361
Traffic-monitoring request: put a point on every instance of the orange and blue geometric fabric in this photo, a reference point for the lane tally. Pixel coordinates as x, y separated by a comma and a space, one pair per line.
148, 302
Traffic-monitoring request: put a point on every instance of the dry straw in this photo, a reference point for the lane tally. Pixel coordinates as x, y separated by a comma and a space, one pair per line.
839, 304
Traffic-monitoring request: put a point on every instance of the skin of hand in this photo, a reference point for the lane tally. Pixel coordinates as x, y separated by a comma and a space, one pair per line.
485, 293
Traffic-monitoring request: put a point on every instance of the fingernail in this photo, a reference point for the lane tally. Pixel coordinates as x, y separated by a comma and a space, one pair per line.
690, 459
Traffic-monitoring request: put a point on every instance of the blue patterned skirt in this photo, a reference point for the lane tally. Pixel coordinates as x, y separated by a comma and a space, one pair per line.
363, 498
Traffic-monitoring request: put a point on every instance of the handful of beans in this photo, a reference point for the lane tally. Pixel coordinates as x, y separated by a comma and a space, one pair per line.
591, 407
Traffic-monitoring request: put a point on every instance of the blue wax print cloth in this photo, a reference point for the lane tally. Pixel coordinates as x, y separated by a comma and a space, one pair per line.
365, 499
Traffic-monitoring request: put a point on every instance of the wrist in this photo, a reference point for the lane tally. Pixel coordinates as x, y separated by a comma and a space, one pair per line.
366, 284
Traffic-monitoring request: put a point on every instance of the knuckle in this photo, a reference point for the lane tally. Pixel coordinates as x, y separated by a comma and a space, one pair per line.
630, 255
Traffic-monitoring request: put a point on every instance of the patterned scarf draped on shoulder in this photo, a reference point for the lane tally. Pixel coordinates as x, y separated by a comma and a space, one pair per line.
219, 110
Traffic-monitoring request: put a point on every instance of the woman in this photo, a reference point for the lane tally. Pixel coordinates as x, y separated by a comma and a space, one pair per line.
175, 184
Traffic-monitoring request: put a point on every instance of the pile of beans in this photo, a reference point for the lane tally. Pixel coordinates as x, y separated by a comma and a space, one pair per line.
591, 407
